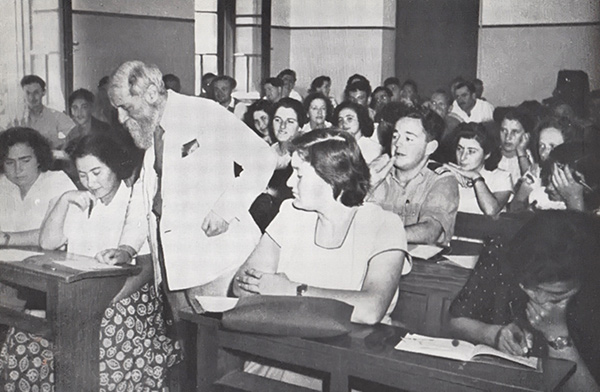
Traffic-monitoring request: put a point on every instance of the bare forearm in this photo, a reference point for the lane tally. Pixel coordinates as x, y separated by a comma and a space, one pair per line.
52, 234
369, 307
24, 238
426, 232
474, 330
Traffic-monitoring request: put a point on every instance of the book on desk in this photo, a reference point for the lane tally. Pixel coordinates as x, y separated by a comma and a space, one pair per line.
459, 350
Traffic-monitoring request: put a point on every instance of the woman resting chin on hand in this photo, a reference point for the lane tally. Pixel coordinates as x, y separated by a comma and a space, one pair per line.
539, 291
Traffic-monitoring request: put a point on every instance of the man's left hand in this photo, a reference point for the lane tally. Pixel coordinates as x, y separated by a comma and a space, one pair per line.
214, 225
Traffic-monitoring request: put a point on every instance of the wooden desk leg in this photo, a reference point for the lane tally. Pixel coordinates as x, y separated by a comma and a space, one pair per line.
207, 348
76, 310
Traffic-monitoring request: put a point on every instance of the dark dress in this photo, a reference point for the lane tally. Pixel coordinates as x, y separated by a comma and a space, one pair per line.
492, 295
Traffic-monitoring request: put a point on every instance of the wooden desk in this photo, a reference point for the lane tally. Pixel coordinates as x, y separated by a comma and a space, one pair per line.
75, 304
425, 297
359, 359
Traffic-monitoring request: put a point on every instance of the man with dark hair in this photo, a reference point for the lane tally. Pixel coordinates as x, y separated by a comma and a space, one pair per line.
468, 107
393, 84
52, 124
206, 82
273, 88
288, 77
172, 82
359, 93
222, 87
425, 198
81, 104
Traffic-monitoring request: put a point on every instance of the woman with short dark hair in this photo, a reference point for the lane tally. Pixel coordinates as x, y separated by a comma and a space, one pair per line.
539, 295
28, 189
258, 118
319, 111
484, 189
354, 119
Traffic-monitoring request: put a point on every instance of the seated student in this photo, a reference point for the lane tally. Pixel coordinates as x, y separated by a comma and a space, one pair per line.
467, 106
319, 110
515, 134
550, 133
409, 93
273, 90
354, 119
28, 189
322, 84
379, 98
81, 104
288, 119
52, 124
393, 84
539, 293
172, 82
571, 174
222, 87
258, 118
326, 242
359, 93
425, 198
484, 189
288, 76
135, 352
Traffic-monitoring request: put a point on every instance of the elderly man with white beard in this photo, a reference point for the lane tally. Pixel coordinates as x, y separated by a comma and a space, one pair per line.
197, 209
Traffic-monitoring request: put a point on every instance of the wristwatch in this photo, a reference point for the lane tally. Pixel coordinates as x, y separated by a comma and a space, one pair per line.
301, 289
560, 342
474, 181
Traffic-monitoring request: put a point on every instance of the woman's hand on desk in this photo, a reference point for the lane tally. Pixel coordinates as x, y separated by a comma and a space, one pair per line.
513, 340
121, 255
257, 282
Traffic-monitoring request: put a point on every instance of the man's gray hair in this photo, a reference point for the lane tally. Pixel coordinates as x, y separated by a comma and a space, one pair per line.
138, 76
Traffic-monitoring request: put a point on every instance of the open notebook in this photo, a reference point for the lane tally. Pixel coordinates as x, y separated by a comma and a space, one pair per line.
457, 349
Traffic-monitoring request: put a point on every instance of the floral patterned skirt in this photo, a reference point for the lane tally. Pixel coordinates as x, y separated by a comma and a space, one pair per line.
135, 351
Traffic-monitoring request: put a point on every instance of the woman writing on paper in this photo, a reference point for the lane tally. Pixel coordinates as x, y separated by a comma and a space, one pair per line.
539, 293
90, 222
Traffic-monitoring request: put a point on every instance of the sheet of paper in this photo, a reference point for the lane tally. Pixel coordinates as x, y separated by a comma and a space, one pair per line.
14, 255
463, 261
424, 252
85, 264
216, 304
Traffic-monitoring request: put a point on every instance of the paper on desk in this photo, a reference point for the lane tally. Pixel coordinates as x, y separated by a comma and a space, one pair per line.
463, 261
216, 304
14, 255
424, 252
84, 264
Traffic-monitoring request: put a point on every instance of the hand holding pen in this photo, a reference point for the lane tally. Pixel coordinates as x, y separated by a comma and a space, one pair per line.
514, 340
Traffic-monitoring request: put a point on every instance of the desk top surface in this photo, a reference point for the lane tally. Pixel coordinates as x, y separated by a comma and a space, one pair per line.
370, 352
48, 265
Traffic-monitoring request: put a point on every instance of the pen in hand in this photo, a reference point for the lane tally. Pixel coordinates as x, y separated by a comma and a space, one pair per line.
91, 206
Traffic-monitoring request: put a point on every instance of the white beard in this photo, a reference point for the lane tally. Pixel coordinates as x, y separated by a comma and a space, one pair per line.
143, 137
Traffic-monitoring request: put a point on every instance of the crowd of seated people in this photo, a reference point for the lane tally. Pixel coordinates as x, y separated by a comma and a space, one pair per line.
384, 167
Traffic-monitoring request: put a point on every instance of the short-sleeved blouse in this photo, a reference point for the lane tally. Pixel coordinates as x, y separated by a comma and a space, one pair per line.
17, 214
497, 181
88, 235
371, 232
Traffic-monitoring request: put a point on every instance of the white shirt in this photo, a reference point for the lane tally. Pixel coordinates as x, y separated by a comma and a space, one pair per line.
497, 181
88, 235
482, 111
511, 165
18, 214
